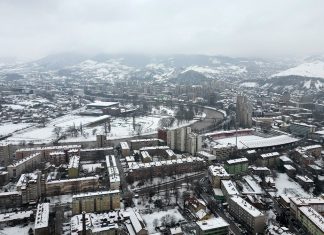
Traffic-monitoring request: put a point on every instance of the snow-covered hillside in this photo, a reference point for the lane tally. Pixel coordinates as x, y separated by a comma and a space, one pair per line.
313, 69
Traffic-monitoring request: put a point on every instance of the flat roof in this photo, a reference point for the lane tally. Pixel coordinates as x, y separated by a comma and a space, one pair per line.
237, 160
91, 194
102, 104
42, 215
212, 223
269, 142
313, 216
246, 206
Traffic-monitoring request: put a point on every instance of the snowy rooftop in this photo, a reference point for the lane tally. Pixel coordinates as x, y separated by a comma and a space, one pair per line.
96, 222
75, 179
144, 140
289, 167
74, 162
145, 154
124, 145
268, 142
15, 215
154, 147
307, 201
303, 124
96, 149
305, 179
269, 155
26, 159
26, 178
237, 160
91, 194
42, 215
311, 147
50, 148
212, 223
230, 187
217, 171
102, 104
247, 206
314, 216
285, 159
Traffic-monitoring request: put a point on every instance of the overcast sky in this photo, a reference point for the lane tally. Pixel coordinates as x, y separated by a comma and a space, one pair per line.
264, 28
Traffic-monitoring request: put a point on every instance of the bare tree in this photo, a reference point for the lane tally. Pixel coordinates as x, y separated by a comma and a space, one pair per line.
57, 130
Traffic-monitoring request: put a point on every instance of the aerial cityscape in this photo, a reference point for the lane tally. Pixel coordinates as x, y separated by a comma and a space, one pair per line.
114, 141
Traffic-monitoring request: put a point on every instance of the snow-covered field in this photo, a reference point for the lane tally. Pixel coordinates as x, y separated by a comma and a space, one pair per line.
8, 128
288, 186
120, 127
240, 139
19, 229
311, 69
149, 218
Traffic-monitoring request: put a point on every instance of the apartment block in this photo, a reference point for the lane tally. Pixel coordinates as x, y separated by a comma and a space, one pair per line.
42, 219
95, 202
216, 174
247, 214
236, 166
30, 187
84, 184
217, 226
73, 167
311, 220
26, 164
113, 172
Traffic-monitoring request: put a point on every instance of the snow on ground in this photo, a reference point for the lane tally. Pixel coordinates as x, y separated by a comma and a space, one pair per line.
288, 186
312, 69
8, 128
149, 218
66, 198
307, 84
91, 167
120, 127
240, 139
249, 84
319, 85
14, 106
18, 229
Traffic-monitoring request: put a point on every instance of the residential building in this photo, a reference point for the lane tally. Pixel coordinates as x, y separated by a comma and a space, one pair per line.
125, 149
42, 219
229, 189
269, 159
237, 166
216, 174
247, 214
316, 203
223, 152
84, 184
243, 112
30, 187
95, 202
5, 154
217, 226
26, 164
113, 172
311, 220
301, 129
73, 167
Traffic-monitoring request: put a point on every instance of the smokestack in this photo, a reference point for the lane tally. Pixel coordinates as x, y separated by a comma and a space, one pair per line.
84, 229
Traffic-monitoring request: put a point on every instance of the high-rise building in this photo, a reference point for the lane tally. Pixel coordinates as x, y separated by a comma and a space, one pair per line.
243, 112
4, 154
182, 139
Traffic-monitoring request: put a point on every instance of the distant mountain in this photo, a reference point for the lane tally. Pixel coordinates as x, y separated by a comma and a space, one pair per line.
314, 69
113, 67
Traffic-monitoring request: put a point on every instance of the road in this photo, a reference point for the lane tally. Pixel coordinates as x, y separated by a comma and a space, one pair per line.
167, 185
